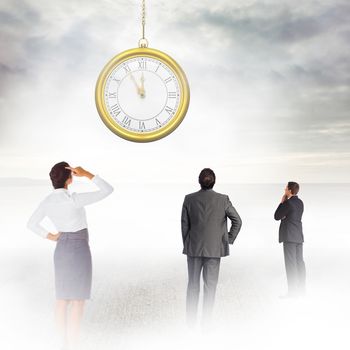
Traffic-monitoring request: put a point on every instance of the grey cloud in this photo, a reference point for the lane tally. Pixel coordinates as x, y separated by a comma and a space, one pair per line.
36, 38
298, 52
282, 28
296, 56
345, 35
313, 123
321, 73
270, 23
17, 26
6, 70
24, 14
7, 19
69, 50
315, 89
9, 74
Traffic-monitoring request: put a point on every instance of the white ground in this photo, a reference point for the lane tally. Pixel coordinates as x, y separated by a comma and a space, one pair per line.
139, 278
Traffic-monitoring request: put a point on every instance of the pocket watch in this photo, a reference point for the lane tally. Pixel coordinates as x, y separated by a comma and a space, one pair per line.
142, 94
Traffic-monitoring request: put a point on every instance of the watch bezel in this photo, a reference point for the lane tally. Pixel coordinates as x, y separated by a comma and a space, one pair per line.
155, 134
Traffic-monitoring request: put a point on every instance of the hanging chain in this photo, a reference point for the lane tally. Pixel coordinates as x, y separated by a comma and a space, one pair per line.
143, 18
143, 42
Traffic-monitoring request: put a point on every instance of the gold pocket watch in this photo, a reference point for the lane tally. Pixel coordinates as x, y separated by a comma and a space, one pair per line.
142, 94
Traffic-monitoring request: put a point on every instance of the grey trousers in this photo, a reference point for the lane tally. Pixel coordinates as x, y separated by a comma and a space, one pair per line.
210, 268
295, 267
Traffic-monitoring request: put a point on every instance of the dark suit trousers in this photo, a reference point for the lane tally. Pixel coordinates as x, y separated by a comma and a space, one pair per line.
295, 267
210, 268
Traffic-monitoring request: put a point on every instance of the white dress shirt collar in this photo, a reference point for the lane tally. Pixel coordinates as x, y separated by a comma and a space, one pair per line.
60, 190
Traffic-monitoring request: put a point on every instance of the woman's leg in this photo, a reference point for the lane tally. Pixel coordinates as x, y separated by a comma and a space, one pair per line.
74, 321
61, 319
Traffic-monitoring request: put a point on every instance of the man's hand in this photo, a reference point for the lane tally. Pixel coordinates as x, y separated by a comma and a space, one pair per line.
53, 236
284, 198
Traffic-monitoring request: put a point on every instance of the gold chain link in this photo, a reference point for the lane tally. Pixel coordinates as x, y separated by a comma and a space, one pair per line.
143, 18
143, 41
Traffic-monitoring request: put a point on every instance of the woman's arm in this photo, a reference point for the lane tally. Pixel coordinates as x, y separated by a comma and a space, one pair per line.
82, 199
34, 224
35, 220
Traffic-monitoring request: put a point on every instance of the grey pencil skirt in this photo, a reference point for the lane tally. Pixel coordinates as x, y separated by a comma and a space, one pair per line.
73, 267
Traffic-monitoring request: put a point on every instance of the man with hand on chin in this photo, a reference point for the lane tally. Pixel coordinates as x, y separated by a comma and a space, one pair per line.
290, 212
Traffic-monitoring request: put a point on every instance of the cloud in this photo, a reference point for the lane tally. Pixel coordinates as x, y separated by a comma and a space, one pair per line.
271, 22
266, 77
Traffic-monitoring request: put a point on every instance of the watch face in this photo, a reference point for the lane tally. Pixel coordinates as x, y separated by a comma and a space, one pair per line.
142, 95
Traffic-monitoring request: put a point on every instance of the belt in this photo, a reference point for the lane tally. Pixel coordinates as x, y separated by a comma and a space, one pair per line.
81, 234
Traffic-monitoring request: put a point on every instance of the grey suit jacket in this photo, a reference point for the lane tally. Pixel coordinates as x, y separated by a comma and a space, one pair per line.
290, 213
204, 224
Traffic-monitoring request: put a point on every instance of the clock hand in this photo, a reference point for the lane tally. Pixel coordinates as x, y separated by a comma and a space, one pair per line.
137, 86
142, 88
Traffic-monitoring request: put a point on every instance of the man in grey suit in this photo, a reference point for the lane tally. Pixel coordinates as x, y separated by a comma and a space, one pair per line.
290, 212
206, 240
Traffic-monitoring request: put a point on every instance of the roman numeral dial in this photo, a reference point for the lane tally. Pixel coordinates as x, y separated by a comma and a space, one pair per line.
142, 95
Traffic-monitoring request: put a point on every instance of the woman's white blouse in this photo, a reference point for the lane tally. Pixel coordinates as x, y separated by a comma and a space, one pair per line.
66, 210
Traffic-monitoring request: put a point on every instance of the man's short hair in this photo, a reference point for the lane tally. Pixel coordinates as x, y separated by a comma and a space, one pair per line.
293, 187
207, 179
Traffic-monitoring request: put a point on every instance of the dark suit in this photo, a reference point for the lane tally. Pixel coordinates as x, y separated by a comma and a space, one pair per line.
290, 213
205, 240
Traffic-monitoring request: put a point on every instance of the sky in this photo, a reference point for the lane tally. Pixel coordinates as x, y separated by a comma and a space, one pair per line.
269, 80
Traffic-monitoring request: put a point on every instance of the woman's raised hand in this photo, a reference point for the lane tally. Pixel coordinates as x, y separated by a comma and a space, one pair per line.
80, 172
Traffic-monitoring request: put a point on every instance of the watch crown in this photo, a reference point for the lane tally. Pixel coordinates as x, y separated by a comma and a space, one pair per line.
143, 43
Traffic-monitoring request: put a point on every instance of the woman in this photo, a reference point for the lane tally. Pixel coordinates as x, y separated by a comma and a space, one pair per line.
72, 257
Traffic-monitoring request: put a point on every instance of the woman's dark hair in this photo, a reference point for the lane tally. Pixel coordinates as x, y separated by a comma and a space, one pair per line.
207, 179
59, 175
293, 187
